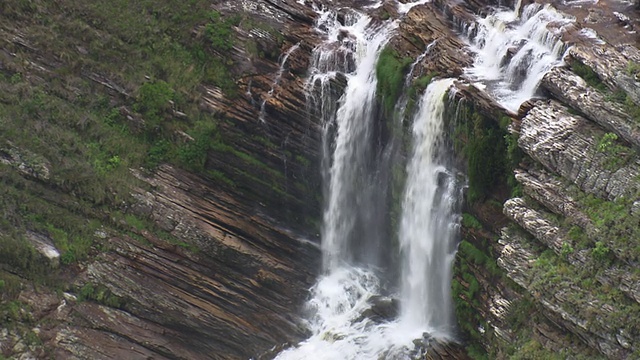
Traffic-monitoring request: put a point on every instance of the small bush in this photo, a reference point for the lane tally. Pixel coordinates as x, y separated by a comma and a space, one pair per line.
219, 31
101, 295
193, 154
566, 250
606, 143
600, 252
633, 68
153, 100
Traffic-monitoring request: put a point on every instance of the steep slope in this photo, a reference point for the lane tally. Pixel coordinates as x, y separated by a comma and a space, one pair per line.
176, 224
161, 188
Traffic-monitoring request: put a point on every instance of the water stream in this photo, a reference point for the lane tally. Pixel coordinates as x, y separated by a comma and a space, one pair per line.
381, 291
353, 232
429, 226
515, 49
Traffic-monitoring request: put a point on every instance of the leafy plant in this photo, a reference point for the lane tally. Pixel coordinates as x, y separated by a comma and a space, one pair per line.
600, 252
153, 100
606, 143
566, 250
633, 68
219, 31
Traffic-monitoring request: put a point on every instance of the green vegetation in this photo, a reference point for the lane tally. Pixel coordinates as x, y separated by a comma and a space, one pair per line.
633, 68
101, 295
600, 252
617, 228
469, 221
125, 93
491, 152
553, 275
390, 71
415, 89
566, 250
258, 48
615, 95
484, 150
590, 76
606, 143
219, 31
467, 290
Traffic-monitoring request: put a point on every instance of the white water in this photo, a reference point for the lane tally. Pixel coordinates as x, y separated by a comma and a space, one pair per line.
340, 329
276, 80
341, 296
428, 230
428, 239
345, 64
404, 8
352, 123
515, 50
401, 105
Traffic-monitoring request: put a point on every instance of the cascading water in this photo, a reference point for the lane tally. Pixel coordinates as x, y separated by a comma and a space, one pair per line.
341, 298
401, 105
515, 50
428, 230
349, 182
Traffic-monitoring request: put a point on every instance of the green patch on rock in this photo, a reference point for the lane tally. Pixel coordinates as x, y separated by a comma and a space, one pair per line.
390, 72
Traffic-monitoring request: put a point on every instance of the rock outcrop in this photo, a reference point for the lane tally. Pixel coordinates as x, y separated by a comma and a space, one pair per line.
549, 270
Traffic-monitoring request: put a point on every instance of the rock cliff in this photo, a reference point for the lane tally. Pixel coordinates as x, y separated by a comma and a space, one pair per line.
202, 242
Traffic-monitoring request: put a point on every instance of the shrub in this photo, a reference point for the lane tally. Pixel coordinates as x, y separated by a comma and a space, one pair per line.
566, 250
606, 143
153, 100
193, 154
600, 252
219, 31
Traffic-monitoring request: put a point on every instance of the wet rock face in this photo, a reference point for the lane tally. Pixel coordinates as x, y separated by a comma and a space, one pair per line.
239, 294
234, 298
382, 309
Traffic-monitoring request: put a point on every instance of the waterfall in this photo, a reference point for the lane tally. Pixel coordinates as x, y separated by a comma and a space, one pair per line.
360, 307
341, 301
428, 229
514, 51
350, 184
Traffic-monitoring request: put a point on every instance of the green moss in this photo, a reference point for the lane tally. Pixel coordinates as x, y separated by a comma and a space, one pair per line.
590, 76
390, 71
485, 152
470, 221
101, 295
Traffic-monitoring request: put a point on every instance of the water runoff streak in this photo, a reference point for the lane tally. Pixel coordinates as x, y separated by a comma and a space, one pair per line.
341, 299
276, 80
